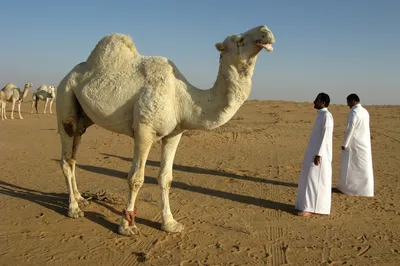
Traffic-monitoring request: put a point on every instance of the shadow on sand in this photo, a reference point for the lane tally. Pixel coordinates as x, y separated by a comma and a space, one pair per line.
197, 189
198, 170
58, 202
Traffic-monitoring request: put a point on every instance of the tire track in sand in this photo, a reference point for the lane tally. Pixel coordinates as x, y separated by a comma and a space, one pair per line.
277, 250
274, 172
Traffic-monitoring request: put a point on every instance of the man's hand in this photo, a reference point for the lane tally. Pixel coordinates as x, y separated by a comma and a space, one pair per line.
317, 160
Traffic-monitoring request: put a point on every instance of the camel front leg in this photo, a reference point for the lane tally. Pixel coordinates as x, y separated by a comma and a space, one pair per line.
45, 105
3, 110
169, 146
142, 144
19, 110
51, 104
12, 108
33, 103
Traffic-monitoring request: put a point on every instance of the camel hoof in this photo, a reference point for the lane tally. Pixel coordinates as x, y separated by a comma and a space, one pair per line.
172, 227
75, 213
83, 202
128, 230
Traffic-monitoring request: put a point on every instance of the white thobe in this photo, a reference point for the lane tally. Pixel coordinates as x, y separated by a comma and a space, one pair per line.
315, 182
356, 172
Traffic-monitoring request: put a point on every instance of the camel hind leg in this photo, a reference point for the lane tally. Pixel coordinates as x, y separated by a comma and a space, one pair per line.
33, 102
72, 124
36, 104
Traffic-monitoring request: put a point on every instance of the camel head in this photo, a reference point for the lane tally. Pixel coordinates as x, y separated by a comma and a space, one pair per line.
25, 92
246, 46
28, 85
52, 91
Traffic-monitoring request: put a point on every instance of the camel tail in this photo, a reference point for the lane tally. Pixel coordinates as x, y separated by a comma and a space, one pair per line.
71, 118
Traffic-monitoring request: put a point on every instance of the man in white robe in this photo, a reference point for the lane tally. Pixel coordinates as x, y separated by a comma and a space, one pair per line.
315, 182
356, 172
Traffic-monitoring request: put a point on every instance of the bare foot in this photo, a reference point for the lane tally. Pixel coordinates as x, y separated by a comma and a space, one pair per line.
304, 214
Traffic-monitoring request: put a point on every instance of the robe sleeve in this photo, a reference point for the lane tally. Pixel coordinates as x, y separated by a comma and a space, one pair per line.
351, 122
326, 124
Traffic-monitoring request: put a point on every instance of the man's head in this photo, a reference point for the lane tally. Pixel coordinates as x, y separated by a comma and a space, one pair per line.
322, 101
352, 100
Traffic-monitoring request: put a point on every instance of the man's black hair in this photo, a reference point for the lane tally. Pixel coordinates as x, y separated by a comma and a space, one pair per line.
353, 97
325, 98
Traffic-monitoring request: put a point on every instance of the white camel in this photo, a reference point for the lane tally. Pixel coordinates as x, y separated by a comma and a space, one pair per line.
13, 94
147, 98
44, 93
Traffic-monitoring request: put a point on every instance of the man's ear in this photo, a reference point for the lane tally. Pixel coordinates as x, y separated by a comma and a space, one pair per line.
220, 46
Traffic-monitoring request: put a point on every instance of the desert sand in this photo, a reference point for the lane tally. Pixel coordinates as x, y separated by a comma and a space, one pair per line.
234, 189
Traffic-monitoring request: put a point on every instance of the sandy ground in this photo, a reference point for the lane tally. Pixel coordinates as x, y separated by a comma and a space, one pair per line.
234, 190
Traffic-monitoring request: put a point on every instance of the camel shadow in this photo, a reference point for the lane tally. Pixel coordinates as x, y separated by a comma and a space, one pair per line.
53, 201
197, 189
57, 202
198, 170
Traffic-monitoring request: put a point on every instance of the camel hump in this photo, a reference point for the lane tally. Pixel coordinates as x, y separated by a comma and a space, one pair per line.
112, 51
9, 86
42, 87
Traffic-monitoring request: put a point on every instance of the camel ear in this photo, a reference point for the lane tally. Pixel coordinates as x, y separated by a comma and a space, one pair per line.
220, 46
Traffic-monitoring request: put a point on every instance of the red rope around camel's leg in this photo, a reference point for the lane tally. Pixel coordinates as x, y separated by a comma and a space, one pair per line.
130, 216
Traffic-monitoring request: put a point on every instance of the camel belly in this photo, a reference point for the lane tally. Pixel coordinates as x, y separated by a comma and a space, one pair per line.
108, 105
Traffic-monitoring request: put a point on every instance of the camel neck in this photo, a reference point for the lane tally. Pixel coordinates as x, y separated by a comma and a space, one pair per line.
216, 106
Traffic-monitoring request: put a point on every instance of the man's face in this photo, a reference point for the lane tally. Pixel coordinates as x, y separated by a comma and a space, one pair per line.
318, 104
351, 103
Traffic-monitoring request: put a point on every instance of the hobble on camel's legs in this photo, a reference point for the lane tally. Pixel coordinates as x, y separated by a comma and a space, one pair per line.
142, 144
169, 147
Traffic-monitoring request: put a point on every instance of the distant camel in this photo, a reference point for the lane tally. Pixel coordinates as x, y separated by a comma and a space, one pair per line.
10, 93
44, 93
